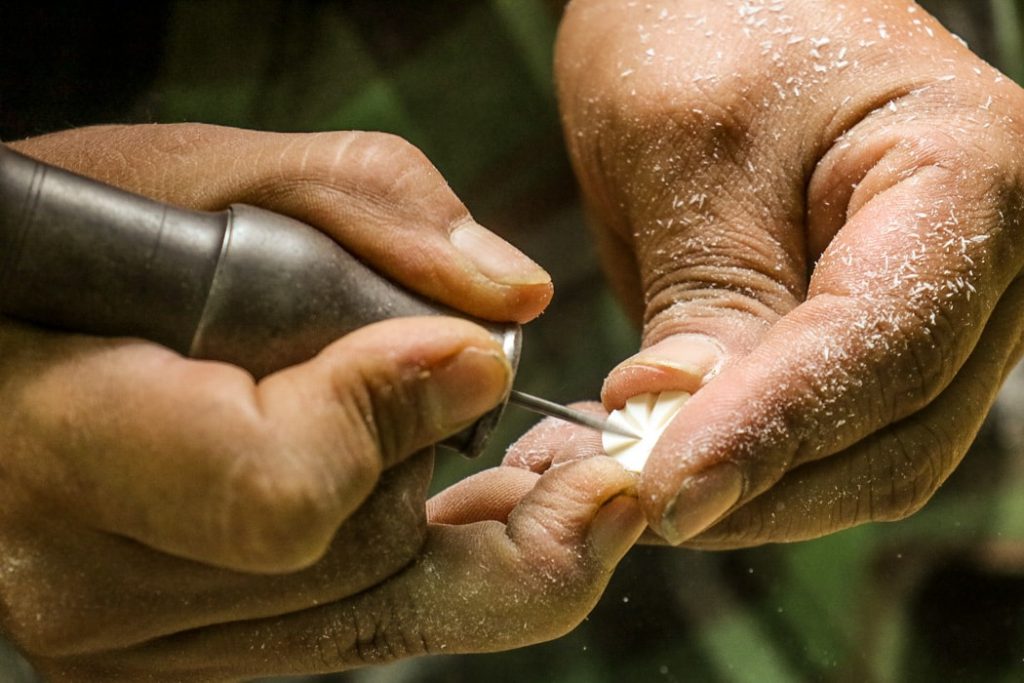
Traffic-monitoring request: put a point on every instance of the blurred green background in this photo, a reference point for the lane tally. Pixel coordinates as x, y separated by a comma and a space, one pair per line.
940, 595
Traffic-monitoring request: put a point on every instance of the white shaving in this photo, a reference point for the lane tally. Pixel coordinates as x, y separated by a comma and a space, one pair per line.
647, 415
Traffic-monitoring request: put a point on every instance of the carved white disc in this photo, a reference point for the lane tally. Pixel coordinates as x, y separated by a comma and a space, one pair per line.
648, 415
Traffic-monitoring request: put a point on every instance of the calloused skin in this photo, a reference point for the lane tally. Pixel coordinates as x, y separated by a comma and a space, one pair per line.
815, 208
172, 519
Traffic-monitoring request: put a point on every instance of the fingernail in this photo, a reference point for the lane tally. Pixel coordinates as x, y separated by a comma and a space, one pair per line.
691, 354
701, 501
495, 258
616, 527
467, 386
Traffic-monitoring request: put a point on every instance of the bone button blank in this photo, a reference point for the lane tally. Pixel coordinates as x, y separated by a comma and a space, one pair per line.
648, 415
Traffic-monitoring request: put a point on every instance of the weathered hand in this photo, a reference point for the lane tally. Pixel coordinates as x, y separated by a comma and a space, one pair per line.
508, 560
153, 504
816, 207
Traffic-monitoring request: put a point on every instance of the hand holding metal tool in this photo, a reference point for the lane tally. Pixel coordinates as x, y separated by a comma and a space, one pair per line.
234, 511
244, 285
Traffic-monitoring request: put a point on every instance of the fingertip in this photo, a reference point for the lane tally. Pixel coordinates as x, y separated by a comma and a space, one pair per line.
519, 289
389, 389
466, 386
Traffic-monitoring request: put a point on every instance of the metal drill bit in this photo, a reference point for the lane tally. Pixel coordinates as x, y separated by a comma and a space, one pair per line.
577, 417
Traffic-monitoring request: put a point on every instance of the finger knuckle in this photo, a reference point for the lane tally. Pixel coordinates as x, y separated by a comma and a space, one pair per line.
386, 171
676, 306
374, 633
962, 165
648, 124
658, 140
401, 162
395, 149
180, 139
710, 120
915, 463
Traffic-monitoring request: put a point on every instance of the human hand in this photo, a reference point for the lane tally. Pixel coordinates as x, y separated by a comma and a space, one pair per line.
816, 209
508, 560
149, 496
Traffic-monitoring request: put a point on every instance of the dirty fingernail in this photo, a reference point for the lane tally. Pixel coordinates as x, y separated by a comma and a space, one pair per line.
702, 500
495, 258
616, 527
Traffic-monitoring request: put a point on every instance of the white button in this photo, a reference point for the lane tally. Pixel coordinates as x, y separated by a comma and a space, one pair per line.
648, 415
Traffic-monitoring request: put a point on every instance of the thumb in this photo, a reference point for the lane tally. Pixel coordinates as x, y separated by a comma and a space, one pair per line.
381, 394
260, 476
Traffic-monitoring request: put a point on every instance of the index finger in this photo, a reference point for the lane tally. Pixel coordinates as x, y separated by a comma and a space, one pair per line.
376, 194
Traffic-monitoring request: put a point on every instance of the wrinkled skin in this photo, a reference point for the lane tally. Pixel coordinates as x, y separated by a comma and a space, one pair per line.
815, 208
172, 519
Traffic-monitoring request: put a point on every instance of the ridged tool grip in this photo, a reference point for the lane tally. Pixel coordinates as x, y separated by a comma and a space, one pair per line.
244, 285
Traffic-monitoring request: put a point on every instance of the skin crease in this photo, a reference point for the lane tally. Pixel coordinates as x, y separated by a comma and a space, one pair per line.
173, 519
815, 208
